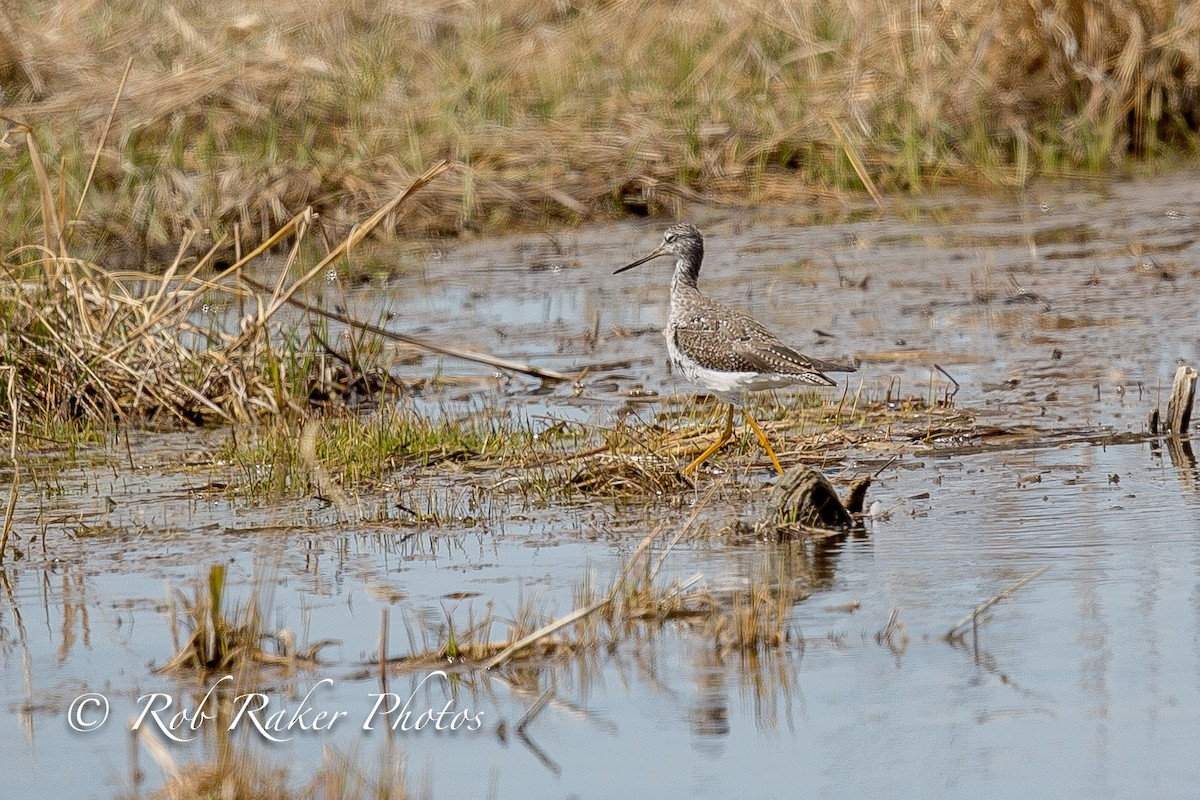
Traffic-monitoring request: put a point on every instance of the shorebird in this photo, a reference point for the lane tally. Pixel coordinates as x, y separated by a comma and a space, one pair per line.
722, 349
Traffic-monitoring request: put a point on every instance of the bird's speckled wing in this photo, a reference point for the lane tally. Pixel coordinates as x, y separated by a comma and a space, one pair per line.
720, 338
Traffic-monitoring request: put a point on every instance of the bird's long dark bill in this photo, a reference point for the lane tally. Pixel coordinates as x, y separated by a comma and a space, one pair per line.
660, 251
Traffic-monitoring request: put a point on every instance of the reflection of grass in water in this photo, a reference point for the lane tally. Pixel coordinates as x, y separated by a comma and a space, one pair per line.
743, 633
636, 604
238, 772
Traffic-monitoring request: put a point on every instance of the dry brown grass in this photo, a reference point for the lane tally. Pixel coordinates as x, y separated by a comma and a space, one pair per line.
242, 114
93, 345
645, 461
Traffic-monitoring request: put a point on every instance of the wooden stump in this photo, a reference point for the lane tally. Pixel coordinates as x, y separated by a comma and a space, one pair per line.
804, 499
1179, 407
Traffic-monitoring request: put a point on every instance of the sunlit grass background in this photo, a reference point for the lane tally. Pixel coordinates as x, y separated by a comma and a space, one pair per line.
246, 112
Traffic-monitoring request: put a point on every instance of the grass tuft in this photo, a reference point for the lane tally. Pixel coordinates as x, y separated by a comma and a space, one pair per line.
93, 347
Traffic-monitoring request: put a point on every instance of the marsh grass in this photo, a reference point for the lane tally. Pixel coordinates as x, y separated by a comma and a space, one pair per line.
494, 451
220, 638
217, 638
236, 116
372, 452
95, 347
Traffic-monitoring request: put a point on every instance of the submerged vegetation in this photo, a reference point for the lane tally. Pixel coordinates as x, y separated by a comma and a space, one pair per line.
236, 117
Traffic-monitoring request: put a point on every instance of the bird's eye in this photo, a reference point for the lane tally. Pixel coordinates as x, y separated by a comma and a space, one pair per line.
668, 237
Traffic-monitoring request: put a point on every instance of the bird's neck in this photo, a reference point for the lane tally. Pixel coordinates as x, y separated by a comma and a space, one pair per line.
686, 272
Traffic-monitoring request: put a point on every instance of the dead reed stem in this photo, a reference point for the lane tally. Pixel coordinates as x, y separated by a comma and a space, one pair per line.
87, 184
543, 632
51, 225
11, 505
359, 233
441, 349
973, 619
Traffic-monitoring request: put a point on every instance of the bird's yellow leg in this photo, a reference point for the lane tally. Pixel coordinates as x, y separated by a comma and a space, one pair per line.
725, 436
762, 439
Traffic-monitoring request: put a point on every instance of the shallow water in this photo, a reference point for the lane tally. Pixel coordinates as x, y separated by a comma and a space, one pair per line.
1085, 682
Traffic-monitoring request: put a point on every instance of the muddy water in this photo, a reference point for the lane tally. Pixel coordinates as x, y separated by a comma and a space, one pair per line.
1065, 308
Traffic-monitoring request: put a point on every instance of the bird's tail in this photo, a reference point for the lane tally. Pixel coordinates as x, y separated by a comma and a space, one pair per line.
835, 366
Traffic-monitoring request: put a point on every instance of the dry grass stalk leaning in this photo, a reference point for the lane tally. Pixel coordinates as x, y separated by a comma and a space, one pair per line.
973, 619
13, 421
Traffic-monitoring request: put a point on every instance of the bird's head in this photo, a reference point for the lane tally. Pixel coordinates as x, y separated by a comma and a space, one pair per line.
682, 241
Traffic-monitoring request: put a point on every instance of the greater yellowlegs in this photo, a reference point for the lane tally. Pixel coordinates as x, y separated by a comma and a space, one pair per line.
722, 349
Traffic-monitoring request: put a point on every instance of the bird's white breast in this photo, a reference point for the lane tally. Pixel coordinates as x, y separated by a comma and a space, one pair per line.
729, 386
